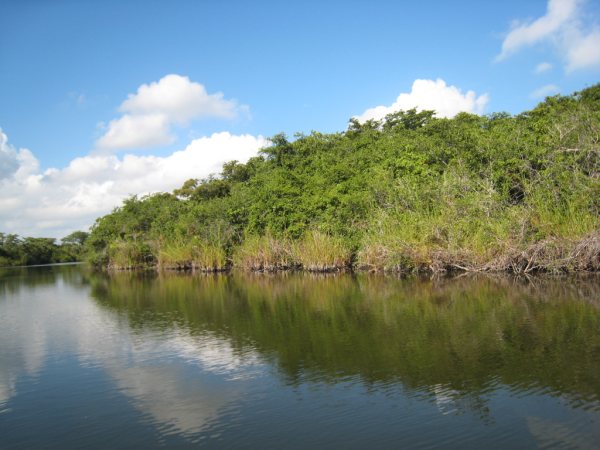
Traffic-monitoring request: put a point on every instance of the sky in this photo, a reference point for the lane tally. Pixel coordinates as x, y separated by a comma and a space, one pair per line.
103, 100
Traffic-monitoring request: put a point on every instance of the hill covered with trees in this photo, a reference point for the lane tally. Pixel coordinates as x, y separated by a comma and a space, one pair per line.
410, 192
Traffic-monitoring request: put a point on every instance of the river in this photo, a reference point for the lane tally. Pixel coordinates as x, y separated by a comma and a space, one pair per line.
293, 360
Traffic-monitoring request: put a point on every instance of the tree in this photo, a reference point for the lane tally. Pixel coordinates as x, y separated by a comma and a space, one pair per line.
39, 250
77, 238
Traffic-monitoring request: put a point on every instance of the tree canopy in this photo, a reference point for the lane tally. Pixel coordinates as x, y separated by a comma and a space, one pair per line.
16, 251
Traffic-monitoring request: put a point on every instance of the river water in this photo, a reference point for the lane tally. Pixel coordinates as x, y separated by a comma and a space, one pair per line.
92, 360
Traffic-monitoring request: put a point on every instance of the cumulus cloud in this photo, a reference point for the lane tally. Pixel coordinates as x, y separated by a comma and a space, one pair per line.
132, 131
58, 201
149, 114
446, 100
566, 27
544, 91
542, 67
15, 162
180, 99
8, 158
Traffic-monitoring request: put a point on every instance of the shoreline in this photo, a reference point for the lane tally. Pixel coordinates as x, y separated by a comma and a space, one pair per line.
546, 256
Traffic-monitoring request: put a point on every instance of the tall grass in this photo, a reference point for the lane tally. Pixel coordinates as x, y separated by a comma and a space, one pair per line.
176, 255
192, 254
130, 254
319, 252
315, 252
209, 257
570, 210
265, 253
462, 223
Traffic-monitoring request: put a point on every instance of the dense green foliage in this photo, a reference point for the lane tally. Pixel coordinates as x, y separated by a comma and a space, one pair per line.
409, 192
17, 251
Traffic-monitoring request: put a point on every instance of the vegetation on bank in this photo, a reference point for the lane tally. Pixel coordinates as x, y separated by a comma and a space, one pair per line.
409, 193
18, 251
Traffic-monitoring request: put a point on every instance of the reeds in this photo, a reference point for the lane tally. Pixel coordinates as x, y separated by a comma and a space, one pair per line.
126, 255
193, 254
461, 223
319, 252
553, 255
176, 255
315, 252
265, 253
209, 258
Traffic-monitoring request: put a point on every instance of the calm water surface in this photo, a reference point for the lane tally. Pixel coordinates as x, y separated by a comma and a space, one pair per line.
296, 361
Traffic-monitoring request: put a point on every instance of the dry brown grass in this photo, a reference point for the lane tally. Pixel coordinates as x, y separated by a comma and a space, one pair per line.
552, 255
585, 256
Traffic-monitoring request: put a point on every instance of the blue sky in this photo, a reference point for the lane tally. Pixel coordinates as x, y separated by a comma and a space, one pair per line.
67, 69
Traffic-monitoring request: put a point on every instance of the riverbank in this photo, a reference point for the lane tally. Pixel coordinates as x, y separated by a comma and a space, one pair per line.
409, 193
321, 253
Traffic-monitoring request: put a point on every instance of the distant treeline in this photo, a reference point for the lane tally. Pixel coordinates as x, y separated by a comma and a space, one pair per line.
18, 251
410, 192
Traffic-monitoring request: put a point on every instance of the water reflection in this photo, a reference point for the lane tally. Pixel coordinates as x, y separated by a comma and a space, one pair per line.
45, 319
179, 397
189, 351
460, 336
24, 329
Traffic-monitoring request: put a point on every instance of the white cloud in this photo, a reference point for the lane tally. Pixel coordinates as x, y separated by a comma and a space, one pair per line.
582, 51
180, 99
566, 27
446, 100
524, 34
13, 162
8, 158
542, 67
544, 91
148, 130
149, 114
58, 201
